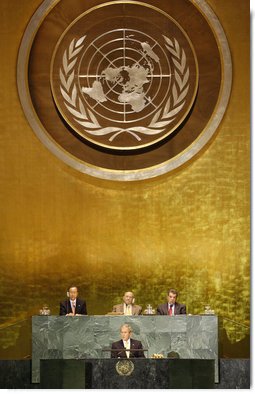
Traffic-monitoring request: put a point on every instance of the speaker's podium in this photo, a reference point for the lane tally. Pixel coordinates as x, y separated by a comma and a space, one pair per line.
74, 352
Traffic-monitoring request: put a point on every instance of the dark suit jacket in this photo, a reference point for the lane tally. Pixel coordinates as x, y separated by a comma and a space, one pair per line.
134, 344
179, 309
65, 307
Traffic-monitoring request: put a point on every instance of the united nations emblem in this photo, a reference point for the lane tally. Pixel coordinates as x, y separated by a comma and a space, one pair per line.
127, 87
124, 90
125, 367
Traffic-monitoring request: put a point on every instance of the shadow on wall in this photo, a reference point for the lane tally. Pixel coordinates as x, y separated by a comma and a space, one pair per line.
239, 349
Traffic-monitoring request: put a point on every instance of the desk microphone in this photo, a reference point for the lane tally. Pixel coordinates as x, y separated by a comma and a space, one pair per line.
67, 305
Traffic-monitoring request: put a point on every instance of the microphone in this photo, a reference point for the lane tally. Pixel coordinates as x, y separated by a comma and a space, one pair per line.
67, 303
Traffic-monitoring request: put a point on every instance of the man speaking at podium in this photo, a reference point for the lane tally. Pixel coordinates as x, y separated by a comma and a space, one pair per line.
127, 347
73, 306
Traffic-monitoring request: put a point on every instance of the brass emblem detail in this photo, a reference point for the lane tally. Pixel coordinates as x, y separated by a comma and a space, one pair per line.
125, 367
124, 90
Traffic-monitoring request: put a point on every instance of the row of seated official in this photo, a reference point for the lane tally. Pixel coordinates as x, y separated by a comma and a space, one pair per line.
74, 306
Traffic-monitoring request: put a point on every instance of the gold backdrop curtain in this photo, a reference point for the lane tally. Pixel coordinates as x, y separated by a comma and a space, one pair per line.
188, 229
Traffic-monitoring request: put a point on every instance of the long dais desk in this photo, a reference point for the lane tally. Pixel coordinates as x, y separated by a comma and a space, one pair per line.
87, 337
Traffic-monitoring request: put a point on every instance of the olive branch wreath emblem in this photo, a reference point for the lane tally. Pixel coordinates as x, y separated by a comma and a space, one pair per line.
161, 119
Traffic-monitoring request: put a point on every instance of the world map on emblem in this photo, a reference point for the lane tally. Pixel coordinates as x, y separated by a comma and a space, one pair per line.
128, 82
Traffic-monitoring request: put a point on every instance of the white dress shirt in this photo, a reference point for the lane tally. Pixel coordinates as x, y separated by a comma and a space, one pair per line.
73, 304
127, 309
127, 346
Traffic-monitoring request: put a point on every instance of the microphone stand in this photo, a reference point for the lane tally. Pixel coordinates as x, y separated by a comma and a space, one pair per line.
68, 302
121, 350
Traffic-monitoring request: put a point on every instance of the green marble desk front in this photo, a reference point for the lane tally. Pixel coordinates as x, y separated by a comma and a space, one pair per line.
84, 337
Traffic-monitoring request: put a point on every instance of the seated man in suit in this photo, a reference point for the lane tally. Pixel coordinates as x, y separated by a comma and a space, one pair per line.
171, 307
127, 347
127, 308
73, 306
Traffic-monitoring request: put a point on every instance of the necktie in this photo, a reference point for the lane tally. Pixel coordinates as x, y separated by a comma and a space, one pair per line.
170, 310
73, 307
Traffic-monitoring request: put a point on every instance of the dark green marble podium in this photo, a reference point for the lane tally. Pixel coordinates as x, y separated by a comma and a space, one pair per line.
146, 374
87, 337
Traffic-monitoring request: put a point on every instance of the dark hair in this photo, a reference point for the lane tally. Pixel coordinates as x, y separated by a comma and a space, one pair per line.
70, 287
173, 291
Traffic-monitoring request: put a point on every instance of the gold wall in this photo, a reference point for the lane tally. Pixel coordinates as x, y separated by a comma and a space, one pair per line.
188, 230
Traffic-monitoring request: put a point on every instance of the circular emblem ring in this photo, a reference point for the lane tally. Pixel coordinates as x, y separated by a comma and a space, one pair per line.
125, 367
127, 87
124, 90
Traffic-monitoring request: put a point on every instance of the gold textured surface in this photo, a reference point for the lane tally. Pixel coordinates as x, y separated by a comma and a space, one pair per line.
188, 229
